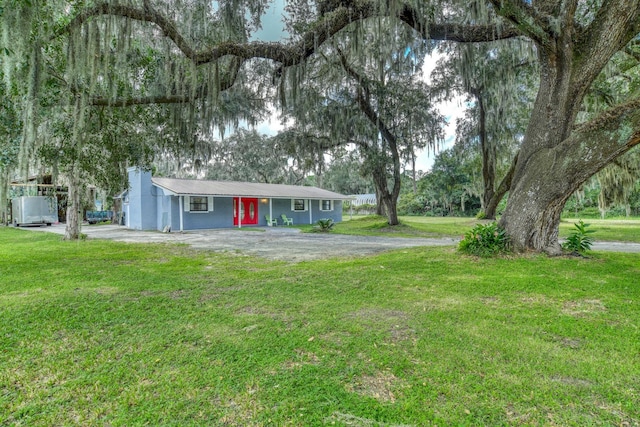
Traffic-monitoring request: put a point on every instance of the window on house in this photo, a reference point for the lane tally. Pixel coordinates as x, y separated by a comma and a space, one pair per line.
199, 204
298, 205
326, 205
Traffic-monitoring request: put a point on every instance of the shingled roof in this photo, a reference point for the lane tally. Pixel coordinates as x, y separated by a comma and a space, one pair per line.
244, 189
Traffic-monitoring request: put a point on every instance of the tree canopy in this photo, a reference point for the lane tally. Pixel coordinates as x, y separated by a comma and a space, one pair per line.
196, 55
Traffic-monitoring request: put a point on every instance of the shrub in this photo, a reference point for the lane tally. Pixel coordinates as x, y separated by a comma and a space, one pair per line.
411, 204
579, 241
324, 225
484, 240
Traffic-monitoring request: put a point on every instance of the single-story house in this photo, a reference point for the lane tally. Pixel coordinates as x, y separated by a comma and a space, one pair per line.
153, 203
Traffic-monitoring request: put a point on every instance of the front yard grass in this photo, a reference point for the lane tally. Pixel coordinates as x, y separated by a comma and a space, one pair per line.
621, 230
612, 230
410, 226
106, 333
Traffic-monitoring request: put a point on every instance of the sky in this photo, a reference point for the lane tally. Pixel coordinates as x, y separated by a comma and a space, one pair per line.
272, 25
452, 109
273, 30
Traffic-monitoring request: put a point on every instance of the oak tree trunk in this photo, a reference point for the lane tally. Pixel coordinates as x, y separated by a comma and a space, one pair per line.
386, 200
540, 186
379, 206
490, 210
556, 156
488, 160
74, 221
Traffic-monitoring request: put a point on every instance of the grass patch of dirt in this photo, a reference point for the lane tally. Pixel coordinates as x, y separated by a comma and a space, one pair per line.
382, 386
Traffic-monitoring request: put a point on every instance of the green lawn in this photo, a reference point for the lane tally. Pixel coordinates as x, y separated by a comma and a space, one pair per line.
410, 226
105, 333
622, 230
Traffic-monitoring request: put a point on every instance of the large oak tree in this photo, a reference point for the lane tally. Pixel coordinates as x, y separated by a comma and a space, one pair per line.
574, 41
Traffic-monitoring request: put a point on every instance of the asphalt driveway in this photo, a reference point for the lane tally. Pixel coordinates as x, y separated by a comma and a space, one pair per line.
279, 243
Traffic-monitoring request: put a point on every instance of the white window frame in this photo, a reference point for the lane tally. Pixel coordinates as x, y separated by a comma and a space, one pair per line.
330, 205
187, 204
305, 204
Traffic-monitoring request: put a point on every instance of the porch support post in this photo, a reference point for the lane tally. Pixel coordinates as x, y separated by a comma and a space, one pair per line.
270, 209
239, 212
310, 211
181, 200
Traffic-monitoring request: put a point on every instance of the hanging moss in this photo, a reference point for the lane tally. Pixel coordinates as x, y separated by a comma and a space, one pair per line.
617, 181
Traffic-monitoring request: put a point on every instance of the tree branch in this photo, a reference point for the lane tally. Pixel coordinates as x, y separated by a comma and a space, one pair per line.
226, 83
147, 14
596, 143
455, 32
503, 187
527, 20
610, 119
368, 110
293, 53
567, 19
632, 53
145, 100
286, 55
322, 142
615, 24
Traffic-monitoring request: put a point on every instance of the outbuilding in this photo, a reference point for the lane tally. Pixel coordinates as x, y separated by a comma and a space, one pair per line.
154, 203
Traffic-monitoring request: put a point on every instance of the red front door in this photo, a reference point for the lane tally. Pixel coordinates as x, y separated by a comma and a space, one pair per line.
247, 211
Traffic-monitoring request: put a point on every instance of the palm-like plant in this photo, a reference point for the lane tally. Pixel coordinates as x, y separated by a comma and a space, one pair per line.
325, 224
579, 241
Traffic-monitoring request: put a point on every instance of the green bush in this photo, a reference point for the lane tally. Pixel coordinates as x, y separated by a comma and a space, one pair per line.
579, 241
484, 240
324, 225
411, 204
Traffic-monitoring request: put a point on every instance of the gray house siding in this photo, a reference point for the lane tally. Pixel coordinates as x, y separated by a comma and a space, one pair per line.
220, 217
175, 213
164, 209
335, 213
283, 206
142, 201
